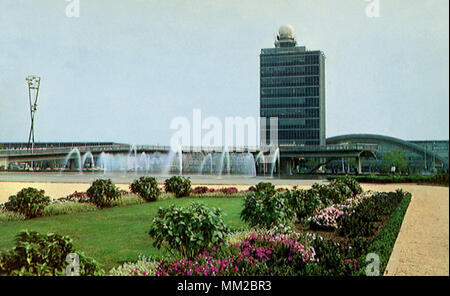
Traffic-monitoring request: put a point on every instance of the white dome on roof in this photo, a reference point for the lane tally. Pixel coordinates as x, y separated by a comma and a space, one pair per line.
286, 31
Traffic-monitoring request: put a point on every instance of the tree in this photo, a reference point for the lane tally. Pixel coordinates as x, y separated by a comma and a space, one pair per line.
395, 158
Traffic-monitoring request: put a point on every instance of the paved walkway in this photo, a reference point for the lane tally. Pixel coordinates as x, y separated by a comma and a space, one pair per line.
422, 246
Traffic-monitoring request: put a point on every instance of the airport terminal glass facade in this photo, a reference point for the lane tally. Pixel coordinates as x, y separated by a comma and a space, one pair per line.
421, 156
292, 88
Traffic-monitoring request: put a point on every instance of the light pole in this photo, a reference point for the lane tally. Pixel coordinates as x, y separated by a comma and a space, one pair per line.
33, 92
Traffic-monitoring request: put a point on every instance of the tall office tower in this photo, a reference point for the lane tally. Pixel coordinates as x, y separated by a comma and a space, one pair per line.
292, 88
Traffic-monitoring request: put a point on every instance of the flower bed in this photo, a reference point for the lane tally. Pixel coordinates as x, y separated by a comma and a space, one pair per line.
206, 190
327, 218
257, 254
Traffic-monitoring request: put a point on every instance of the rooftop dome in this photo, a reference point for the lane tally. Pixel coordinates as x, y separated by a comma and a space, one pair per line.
286, 31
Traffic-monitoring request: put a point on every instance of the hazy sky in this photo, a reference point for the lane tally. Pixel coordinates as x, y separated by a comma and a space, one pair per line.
124, 69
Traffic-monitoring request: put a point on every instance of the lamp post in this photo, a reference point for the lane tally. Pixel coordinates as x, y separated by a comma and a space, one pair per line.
33, 92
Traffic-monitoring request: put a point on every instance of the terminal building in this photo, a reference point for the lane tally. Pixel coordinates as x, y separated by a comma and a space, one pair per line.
292, 89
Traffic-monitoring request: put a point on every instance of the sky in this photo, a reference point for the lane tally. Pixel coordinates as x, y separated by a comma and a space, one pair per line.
124, 69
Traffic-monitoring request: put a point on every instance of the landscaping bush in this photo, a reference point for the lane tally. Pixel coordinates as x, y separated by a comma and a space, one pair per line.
328, 194
29, 202
263, 209
327, 219
146, 187
337, 259
180, 186
43, 254
360, 222
439, 179
351, 183
383, 242
305, 203
81, 197
188, 230
263, 188
102, 192
355, 226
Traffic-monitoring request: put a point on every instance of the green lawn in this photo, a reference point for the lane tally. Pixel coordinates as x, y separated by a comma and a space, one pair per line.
116, 235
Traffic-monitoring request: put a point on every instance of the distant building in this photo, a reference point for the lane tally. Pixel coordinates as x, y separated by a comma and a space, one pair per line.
292, 88
421, 156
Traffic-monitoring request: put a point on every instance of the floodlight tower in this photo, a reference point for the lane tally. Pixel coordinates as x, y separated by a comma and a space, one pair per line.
33, 92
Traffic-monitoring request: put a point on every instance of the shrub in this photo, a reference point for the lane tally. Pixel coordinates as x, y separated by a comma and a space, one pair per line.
29, 202
335, 192
146, 187
327, 219
265, 210
383, 242
355, 226
327, 194
361, 221
305, 203
180, 186
351, 182
344, 190
102, 192
188, 230
337, 259
267, 189
76, 197
43, 254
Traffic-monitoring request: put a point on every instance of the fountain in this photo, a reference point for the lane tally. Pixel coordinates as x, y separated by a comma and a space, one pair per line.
261, 156
225, 163
84, 158
78, 158
205, 159
275, 158
133, 160
170, 158
222, 159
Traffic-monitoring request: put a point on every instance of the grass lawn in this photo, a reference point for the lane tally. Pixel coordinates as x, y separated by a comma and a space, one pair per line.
116, 235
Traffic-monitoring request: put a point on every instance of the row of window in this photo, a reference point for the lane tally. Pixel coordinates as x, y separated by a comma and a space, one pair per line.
289, 92
289, 71
303, 135
305, 124
289, 81
280, 102
288, 60
300, 142
290, 113
293, 103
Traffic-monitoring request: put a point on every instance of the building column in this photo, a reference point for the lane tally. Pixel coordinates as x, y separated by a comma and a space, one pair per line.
286, 166
358, 159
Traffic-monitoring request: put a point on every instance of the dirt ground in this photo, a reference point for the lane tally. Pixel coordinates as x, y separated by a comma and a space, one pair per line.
422, 246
